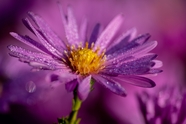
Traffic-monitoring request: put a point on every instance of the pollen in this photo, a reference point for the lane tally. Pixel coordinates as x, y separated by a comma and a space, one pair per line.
85, 60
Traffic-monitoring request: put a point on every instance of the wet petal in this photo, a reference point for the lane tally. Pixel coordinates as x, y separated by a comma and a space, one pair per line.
105, 38
83, 30
44, 65
122, 41
135, 52
136, 66
47, 45
52, 38
132, 60
135, 80
84, 88
35, 59
154, 71
134, 44
27, 40
127, 71
110, 84
70, 26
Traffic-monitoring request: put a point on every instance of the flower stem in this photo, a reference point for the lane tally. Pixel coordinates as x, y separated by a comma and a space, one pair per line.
75, 108
76, 104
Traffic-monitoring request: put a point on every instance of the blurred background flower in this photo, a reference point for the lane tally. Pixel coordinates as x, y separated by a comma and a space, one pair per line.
27, 97
165, 106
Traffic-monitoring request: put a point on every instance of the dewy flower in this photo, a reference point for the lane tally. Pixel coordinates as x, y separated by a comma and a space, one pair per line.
102, 58
166, 106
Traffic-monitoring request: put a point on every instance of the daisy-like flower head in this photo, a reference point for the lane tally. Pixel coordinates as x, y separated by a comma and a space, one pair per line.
101, 58
166, 106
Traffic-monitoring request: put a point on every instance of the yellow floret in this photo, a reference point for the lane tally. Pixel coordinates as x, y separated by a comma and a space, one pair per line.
85, 60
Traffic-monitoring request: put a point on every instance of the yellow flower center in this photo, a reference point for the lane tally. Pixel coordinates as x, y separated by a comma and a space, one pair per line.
85, 60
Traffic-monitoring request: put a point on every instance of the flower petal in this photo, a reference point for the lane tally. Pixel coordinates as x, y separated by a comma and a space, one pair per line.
154, 71
131, 59
82, 31
136, 66
134, 52
52, 38
27, 40
158, 64
105, 38
134, 44
84, 88
110, 84
35, 59
122, 41
47, 45
70, 26
135, 80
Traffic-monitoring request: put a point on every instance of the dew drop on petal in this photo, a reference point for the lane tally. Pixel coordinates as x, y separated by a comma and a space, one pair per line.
30, 87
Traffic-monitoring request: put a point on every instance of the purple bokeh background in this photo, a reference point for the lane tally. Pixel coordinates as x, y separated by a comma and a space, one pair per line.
28, 98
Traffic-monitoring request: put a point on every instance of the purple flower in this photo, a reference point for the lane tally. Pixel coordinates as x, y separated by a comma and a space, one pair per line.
102, 58
167, 106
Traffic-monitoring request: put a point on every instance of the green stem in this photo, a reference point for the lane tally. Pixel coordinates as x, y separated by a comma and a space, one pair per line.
72, 118
75, 108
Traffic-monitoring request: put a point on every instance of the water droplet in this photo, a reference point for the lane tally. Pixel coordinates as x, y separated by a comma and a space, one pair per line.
30, 87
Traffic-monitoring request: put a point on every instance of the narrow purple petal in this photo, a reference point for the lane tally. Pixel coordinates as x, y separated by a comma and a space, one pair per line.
158, 64
140, 59
140, 70
28, 26
94, 34
142, 38
154, 71
35, 59
105, 38
47, 45
122, 41
135, 80
83, 30
70, 86
145, 48
135, 44
140, 50
27, 40
84, 88
137, 66
112, 85
52, 38
70, 26
39, 64
20, 50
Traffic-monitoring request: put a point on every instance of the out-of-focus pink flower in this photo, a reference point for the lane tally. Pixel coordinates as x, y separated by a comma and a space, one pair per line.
166, 106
